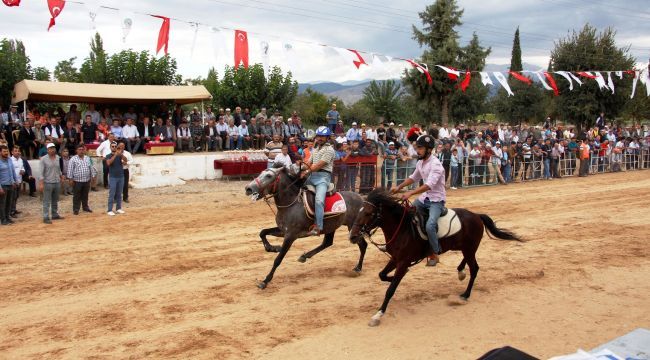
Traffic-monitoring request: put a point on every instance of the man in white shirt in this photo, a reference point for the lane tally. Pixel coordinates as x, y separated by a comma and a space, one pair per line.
184, 137
244, 135
19, 169
129, 160
443, 133
222, 130
341, 139
54, 132
94, 114
102, 150
283, 157
131, 136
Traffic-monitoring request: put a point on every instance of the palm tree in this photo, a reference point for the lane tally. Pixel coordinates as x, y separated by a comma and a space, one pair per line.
384, 98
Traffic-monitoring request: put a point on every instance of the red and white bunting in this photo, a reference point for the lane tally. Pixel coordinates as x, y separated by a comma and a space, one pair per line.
452, 73
503, 81
423, 68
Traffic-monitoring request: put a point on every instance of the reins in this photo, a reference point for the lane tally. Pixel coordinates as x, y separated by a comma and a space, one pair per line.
370, 230
270, 195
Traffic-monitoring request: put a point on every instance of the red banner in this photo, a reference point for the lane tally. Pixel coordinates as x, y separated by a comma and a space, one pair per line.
163, 34
241, 49
11, 2
552, 83
56, 6
360, 61
466, 80
520, 77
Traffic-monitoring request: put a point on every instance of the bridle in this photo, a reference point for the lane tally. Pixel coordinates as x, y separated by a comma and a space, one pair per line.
274, 190
367, 230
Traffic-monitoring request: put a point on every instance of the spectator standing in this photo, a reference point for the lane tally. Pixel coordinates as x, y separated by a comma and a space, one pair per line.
341, 168
64, 163
8, 181
50, 183
368, 174
89, 133
261, 116
178, 116
102, 150
454, 165
125, 165
94, 114
390, 161
19, 168
332, 118
115, 161
80, 173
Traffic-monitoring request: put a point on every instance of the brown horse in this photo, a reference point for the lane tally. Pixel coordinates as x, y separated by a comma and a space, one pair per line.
407, 248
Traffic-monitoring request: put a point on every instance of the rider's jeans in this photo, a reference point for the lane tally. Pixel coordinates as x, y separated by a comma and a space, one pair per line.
321, 180
435, 209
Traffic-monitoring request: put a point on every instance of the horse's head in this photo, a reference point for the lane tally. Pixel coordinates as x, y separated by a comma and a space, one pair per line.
367, 219
269, 181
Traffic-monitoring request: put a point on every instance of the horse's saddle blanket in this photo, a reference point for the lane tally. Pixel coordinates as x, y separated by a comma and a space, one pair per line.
448, 223
334, 203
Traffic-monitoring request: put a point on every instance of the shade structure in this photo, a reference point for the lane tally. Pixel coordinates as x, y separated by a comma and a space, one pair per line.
65, 92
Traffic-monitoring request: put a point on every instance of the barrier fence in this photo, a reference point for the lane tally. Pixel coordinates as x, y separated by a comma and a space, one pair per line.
483, 172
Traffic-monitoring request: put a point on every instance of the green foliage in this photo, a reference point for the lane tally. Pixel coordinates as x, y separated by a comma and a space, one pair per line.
440, 39
14, 67
313, 107
384, 98
638, 108
465, 106
249, 88
360, 112
527, 104
65, 71
589, 50
41, 73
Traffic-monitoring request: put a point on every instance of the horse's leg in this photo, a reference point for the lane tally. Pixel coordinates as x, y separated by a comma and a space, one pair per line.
275, 231
328, 240
363, 245
473, 270
286, 244
402, 268
461, 270
383, 274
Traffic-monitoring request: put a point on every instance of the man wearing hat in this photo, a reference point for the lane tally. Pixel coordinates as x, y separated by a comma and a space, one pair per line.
244, 135
49, 183
353, 133
432, 191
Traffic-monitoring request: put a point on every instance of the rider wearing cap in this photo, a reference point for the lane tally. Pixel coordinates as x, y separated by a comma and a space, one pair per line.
319, 169
430, 170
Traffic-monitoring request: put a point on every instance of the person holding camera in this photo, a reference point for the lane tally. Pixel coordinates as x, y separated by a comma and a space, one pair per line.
115, 162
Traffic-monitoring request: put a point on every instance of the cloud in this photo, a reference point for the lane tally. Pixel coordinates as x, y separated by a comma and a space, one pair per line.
375, 26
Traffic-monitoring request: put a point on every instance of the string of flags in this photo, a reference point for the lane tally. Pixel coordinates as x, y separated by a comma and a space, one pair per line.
359, 59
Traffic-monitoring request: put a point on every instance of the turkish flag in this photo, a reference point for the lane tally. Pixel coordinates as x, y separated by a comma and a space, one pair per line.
466, 80
421, 68
11, 2
56, 6
552, 83
587, 75
241, 49
360, 61
163, 34
520, 77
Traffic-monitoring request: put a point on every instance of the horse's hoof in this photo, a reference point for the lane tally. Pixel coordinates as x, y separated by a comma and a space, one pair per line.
463, 299
461, 275
302, 258
374, 322
357, 270
261, 285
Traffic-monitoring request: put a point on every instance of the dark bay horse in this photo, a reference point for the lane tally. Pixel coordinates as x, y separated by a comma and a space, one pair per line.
285, 186
405, 246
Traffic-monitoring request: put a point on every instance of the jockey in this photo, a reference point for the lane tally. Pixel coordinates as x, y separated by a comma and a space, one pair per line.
319, 169
430, 170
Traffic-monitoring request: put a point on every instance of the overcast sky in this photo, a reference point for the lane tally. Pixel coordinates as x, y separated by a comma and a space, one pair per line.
378, 26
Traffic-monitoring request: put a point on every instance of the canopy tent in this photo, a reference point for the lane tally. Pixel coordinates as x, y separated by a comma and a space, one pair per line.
47, 91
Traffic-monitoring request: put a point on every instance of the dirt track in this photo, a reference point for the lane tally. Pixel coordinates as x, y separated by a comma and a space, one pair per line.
175, 278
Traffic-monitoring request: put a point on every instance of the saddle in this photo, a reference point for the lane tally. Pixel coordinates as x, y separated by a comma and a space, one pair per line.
448, 223
334, 201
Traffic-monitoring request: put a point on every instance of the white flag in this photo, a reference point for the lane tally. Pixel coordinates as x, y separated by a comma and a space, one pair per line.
218, 44
610, 82
127, 24
485, 78
543, 81
264, 50
577, 79
290, 55
503, 81
634, 81
194, 26
644, 77
92, 9
566, 75
619, 74
450, 71
600, 80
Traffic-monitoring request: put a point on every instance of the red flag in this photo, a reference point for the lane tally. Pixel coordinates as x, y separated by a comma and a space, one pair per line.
360, 61
11, 2
466, 80
56, 6
163, 34
586, 75
421, 69
520, 77
241, 49
552, 83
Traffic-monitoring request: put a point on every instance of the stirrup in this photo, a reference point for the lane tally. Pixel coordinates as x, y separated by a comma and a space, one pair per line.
381, 248
313, 231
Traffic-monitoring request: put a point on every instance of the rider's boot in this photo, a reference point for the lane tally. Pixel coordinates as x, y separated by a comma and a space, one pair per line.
313, 231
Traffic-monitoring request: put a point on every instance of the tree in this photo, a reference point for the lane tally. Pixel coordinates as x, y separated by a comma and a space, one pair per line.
14, 67
638, 108
65, 71
249, 88
94, 68
384, 98
527, 102
440, 39
313, 106
469, 104
41, 73
589, 50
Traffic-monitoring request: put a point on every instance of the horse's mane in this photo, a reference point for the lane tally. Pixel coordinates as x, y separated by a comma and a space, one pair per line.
295, 180
384, 198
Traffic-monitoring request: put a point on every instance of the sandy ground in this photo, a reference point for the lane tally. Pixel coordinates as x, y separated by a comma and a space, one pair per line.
175, 278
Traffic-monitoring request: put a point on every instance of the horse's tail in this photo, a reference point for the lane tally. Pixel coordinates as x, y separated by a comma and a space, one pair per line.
493, 230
